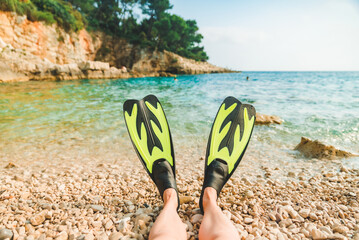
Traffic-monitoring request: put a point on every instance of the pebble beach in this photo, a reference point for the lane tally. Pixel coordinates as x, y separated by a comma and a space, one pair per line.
101, 200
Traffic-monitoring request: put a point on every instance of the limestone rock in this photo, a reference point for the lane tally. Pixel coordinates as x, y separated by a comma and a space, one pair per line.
341, 229
316, 149
304, 212
115, 236
8, 75
97, 208
356, 235
10, 165
263, 119
248, 220
20, 19
94, 65
123, 225
2, 43
89, 236
38, 219
6, 30
249, 194
197, 218
318, 235
168, 63
5, 233
185, 199
62, 236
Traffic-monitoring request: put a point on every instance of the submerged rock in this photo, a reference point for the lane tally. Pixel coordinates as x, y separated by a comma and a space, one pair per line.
263, 119
316, 149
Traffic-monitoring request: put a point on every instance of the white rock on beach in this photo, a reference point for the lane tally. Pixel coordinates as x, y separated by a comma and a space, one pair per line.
318, 235
249, 194
123, 225
248, 220
38, 218
197, 218
304, 212
5, 234
115, 236
97, 208
340, 229
2, 43
62, 236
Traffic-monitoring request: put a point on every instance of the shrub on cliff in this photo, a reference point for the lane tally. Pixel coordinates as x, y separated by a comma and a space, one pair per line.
7, 5
62, 12
33, 14
46, 17
49, 11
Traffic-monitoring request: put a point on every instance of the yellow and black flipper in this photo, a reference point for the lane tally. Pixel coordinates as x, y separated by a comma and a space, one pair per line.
151, 137
228, 140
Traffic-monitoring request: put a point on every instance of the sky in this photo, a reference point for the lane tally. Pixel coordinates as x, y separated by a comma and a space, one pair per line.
277, 35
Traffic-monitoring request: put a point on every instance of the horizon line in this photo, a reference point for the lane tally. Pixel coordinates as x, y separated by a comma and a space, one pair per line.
297, 70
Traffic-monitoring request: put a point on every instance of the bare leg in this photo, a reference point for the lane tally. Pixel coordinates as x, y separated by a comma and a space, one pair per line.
168, 225
215, 225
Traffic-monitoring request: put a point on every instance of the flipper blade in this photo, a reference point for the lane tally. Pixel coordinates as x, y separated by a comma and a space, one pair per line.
148, 128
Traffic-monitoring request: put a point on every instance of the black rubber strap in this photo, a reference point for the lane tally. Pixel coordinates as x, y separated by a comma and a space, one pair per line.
215, 176
164, 177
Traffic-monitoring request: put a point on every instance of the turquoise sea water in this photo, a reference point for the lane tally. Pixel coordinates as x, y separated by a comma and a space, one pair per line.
84, 117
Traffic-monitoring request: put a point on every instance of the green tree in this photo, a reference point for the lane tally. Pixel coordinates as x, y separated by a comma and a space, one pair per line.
85, 7
155, 8
106, 16
175, 34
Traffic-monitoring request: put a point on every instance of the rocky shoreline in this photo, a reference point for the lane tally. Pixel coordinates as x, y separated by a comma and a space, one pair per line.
17, 65
33, 51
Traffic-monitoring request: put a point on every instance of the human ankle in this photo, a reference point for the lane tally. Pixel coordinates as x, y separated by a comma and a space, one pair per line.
170, 197
209, 197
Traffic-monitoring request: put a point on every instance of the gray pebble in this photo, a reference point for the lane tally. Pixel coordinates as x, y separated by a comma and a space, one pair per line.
5, 233
97, 208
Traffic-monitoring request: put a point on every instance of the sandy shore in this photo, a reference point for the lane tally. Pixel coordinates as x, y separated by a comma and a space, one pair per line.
65, 200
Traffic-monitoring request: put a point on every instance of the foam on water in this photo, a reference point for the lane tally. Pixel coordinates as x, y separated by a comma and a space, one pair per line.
83, 119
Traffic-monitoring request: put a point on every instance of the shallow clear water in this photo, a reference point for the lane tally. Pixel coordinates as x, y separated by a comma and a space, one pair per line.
77, 119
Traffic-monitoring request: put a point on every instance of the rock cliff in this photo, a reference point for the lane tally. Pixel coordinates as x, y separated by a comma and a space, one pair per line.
35, 51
